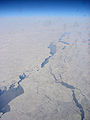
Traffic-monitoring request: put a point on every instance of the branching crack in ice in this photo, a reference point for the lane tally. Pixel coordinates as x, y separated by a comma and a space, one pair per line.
72, 88
60, 39
78, 105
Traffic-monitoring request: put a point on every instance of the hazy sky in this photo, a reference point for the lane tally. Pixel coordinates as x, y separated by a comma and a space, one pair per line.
44, 7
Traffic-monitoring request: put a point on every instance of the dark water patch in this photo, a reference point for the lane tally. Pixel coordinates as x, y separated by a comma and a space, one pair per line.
45, 62
8, 96
22, 77
63, 47
12, 86
52, 49
67, 85
5, 109
78, 105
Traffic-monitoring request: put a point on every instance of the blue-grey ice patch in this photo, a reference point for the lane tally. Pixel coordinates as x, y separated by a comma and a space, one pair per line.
45, 61
2, 91
52, 49
88, 39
